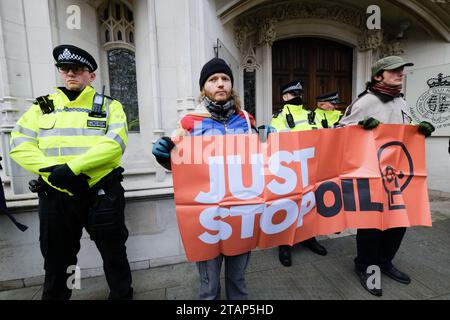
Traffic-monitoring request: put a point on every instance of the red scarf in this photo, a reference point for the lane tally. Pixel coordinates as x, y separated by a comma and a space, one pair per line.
384, 89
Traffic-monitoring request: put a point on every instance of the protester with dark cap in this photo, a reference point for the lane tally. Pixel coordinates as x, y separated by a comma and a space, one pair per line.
219, 112
74, 140
381, 102
326, 113
294, 117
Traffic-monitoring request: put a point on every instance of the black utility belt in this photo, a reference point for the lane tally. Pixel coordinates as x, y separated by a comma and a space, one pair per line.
40, 186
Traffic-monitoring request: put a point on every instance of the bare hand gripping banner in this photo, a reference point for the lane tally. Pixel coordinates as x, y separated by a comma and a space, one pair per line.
234, 194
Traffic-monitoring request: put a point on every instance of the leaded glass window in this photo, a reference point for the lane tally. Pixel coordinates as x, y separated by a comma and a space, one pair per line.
117, 26
123, 85
249, 92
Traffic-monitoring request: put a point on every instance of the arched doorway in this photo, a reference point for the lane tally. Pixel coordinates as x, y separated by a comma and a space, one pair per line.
322, 66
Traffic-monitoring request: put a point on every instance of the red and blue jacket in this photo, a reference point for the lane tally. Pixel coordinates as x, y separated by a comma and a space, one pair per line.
201, 124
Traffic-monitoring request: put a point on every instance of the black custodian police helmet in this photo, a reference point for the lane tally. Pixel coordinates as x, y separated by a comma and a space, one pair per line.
68, 54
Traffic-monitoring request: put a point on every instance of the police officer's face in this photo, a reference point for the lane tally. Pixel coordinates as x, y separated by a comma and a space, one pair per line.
326, 105
290, 96
76, 78
392, 78
218, 87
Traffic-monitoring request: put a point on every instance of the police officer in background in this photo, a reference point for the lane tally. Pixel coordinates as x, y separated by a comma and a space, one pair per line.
294, 117
74, 140
326, 113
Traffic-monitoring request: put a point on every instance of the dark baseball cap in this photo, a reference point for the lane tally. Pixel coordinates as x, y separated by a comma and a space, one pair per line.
389, 63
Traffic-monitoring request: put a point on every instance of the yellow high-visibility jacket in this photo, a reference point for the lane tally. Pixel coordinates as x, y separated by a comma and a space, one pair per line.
300, 115
89, 145
331, 116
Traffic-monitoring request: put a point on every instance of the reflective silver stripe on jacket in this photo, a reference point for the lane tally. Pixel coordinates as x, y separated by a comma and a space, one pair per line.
73, 151
66, 151
296, 122
117, 126
19, 140
25, 131
299, 122
51, 152
118, 139
70, 132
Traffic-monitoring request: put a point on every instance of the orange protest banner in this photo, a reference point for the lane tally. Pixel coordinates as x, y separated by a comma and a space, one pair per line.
234, 194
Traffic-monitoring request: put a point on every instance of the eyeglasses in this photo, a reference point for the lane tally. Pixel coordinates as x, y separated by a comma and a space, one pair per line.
75, 69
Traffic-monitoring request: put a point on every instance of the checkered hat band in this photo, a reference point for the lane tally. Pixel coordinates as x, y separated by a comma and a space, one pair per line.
68, 56
292, 88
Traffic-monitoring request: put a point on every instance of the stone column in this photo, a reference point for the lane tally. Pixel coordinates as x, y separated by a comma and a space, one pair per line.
266, 36
27, 38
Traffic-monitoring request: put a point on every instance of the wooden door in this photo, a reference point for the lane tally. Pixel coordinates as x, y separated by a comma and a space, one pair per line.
322, 66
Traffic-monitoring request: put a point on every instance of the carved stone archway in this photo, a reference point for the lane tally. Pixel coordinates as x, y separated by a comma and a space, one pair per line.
257, 29
260, 25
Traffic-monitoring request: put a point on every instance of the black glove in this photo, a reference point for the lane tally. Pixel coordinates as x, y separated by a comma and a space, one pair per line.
426, 128
369, 123
62, 177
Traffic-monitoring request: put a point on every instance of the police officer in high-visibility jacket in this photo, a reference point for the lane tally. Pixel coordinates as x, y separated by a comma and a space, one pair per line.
74, 140
294, 117
326, 113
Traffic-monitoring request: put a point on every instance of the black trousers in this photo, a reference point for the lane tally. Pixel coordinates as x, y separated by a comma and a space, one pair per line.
289, 247
62, 218
376, 247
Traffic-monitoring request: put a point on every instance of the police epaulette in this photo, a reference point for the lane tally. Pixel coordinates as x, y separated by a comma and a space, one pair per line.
45, 104
276, 113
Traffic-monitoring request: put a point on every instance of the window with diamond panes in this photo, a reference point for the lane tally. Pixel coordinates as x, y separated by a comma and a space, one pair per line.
249, 92
117, 30
123, 85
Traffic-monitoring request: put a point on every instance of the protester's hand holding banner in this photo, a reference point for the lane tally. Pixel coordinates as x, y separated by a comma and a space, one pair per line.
233, 193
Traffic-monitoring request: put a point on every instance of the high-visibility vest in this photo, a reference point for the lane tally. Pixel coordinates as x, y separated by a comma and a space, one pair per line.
301, 118
330, 116
72, 134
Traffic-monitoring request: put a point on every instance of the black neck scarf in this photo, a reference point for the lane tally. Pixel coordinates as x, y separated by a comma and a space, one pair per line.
295, 101
71, 94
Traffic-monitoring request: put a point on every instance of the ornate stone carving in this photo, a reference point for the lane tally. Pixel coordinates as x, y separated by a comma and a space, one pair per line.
249, 62
267, 31
260, 24
392, 49
370, 40
240, 36
263, 20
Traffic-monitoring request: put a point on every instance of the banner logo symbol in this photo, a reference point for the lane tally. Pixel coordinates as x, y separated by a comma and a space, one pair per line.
395, 180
